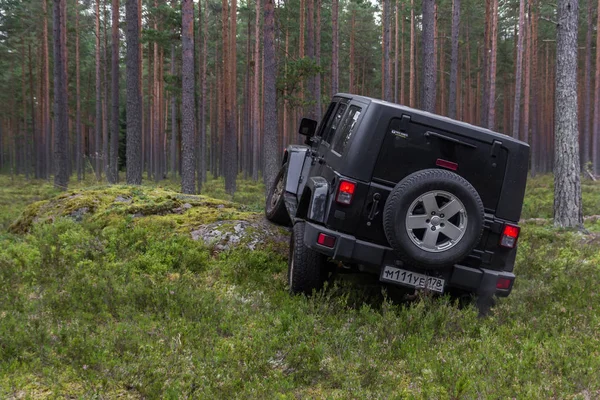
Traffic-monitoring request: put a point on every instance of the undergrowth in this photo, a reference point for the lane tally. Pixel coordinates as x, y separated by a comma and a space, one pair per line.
140, 310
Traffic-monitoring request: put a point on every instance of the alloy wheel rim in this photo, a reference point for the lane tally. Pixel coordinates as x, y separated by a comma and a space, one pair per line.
436, 221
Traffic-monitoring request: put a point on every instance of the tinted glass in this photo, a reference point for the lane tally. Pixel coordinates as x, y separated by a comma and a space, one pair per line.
334, 123
347, 129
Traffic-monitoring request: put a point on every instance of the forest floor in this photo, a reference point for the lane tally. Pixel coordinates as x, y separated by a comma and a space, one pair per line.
104, 292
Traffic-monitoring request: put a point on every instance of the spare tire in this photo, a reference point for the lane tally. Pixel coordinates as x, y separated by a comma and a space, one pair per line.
433, 219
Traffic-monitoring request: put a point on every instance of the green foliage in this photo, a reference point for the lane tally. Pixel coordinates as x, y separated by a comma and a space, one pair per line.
134, 308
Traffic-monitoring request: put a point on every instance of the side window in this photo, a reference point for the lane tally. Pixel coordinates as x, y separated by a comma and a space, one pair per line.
347, 129
326, 121
334, 123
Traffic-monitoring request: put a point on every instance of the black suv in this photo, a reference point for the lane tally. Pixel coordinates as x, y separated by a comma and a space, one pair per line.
421, 200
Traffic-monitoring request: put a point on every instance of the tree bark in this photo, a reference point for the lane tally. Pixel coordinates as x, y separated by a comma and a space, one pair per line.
567, 186
519, 72
173, 141
387, 86
255, 94
491, 115
452, 100
134, 95
596, 125
428, 49
98, 125
271, 154
335, 48
527, 73
188, 110
78, 133
587, 87
412, 77
114, 124
61, 176
318, 62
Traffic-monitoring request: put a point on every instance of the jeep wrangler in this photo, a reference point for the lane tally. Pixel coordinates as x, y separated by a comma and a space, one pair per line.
423, 201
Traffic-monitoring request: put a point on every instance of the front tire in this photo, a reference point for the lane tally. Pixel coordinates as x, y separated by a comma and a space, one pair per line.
275, 210
306, 267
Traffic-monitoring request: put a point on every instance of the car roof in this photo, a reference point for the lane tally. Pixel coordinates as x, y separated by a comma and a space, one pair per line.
431, 116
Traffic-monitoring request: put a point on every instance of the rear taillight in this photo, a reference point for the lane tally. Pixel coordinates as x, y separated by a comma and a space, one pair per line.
345, 192
509, 237
326, 240
503, 283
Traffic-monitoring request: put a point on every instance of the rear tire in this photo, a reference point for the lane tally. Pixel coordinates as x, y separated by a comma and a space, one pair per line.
275, 210
306, 267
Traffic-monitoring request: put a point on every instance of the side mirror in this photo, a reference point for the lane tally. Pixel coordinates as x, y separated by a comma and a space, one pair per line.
308, 127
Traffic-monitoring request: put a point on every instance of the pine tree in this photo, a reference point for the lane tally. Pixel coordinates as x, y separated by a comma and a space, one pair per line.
567, 186
188, 121
134, 95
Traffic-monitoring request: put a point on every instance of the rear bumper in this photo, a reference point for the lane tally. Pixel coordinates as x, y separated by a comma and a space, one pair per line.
347, 248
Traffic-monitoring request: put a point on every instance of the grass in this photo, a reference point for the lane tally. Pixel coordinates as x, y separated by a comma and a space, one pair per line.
115, 306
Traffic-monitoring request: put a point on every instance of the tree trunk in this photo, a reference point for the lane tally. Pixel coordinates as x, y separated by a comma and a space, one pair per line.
78, 133
567, 186
24, 136
428, 49
271, 153
412, 77
61, 176
352, 52
173, 141
134, 95
387, 86
335, 48
402, 59
46, 128
519, 72
452, 100
105, 118
396, 50
491, 114
527, 73
596, 126
256, 96
98, 124
587, 87
318, 62
114, 125
188, 110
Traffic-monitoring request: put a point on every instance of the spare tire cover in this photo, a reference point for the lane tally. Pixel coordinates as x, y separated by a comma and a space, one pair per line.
433, 219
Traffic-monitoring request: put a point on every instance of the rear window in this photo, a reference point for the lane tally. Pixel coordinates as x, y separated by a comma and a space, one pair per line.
347, 129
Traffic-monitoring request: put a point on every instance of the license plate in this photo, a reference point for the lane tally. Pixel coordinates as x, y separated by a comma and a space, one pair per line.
412, 279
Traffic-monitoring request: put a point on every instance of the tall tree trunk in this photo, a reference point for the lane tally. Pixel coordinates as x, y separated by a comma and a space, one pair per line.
24, 136
596, 125
134, 95
534, 142
255, 94
413, 67
114, 126
310, 53
61, 177
387, 86
519, 72
30, 156
271, 153
352, 53
402, 58
452, 100
396, 50
318, 62
46, 128
567, 186
335, 48
78, 133
105, 118
491, 114
587, 86
428, 48
527, 73
188, 110
173, 141
98, 124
